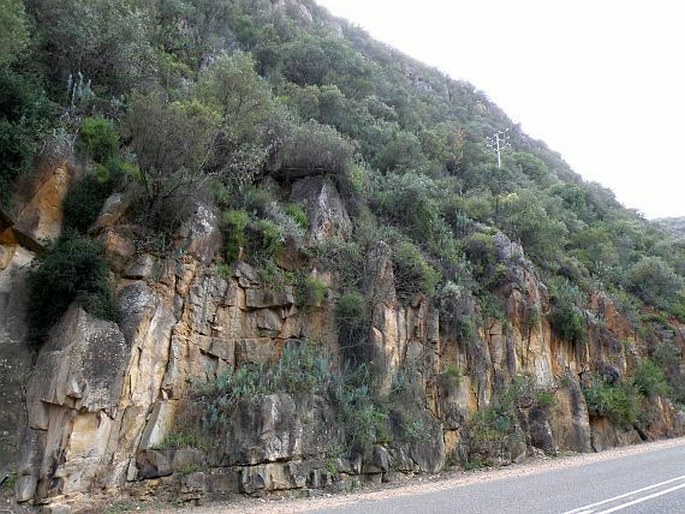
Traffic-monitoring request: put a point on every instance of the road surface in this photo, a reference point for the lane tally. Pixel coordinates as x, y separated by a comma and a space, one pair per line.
651, 482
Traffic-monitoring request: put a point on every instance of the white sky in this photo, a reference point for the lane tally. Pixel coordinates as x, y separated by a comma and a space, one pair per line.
600, 81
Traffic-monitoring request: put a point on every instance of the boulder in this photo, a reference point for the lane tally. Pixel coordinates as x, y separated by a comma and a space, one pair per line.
153, 464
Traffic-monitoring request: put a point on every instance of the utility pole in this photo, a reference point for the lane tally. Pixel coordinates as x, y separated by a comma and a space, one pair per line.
498, 143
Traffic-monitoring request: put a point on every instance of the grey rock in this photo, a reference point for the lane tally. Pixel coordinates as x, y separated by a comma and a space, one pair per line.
153, 464
263, 430
429, 453
246, 275
187, 458
141, 268
25, 488
194, 485
200, 235
379, 461
224, 482
269, 320
318, 479
541, 432
263, 298
328, 217
112, 211
82, 366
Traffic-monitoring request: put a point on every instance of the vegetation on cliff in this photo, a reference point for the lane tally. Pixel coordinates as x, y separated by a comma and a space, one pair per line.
230, 102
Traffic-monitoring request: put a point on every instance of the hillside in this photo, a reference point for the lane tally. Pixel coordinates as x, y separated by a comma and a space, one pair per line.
246, 247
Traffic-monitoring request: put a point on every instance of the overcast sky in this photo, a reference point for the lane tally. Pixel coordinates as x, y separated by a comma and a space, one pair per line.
602, 81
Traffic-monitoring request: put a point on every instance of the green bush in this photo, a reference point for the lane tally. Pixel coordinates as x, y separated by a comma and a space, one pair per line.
311, 291
364, 422
98, 138
413, 273
234, 224
74, 270
83, 201
650, 380
265, 238
24, 116
314, 148
566, 317
655, 282
302, 371
297, 213
491, 429
345, 259
454, 372
568, 323
617, 402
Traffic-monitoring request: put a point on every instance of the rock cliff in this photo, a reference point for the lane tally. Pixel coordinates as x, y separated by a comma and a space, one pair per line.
94, 407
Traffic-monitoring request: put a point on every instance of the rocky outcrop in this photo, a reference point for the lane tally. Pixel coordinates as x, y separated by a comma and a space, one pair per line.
73, 399
327, 215
102, 398
15, 356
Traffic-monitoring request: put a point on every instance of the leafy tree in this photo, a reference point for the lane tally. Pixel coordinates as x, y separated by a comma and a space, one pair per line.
14, 35
173, 143
25, 114
105, 40
650, 380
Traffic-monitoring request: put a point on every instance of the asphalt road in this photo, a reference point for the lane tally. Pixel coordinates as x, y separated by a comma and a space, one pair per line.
650, 482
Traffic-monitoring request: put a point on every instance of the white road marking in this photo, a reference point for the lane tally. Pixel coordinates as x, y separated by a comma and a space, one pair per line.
643, 499
587, 509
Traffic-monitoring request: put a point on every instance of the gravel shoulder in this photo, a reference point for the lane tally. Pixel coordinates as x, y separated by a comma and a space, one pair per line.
422, 484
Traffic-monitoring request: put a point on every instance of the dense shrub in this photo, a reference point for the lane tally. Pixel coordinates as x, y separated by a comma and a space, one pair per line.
314, 148
566, 316
24, 116
302, 371
84, 200
351, 317
311, 291
234, 223
616, 401
494, 429
345, 259
655, 282
298, 214
265, 238
650, 380
98, 138
412, 201
74, 270
413, 273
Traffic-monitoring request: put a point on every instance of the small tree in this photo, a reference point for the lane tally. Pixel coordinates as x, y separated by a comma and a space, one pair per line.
173, 143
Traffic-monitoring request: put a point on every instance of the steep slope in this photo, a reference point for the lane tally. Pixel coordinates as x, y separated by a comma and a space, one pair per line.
314, 266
